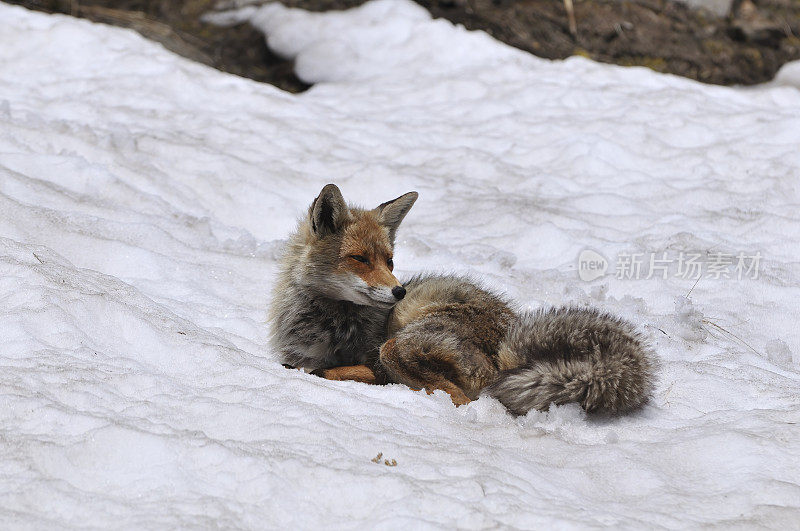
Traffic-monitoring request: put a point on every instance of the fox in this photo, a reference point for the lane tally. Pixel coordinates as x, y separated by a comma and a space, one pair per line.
339, 312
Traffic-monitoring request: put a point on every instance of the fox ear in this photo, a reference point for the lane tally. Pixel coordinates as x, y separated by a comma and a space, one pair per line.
328, 212
391, 213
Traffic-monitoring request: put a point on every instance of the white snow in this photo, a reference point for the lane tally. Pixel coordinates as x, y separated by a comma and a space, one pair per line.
143, 202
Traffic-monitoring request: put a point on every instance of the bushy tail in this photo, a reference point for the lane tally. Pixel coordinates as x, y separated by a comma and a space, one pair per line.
579, 355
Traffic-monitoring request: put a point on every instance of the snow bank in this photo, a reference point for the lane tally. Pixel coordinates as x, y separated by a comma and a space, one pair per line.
143, 200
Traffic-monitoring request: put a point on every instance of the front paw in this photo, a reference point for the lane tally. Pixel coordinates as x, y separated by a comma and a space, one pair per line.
354, 373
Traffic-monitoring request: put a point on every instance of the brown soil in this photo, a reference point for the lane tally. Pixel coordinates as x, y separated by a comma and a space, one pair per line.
660, 34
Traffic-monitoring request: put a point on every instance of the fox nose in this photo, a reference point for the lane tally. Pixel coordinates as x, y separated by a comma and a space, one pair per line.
399, 292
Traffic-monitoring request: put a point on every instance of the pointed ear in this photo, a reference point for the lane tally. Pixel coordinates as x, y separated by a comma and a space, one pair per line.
391, 213
328, 212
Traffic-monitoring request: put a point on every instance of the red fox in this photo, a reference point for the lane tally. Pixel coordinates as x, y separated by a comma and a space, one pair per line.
339, 312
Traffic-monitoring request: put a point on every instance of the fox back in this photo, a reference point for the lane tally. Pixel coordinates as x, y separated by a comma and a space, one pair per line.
453, 335
446, 334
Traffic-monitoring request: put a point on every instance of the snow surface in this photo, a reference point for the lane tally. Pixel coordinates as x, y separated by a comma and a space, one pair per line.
143, 202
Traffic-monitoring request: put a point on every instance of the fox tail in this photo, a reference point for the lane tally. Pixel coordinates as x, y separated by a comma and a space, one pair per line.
582, 355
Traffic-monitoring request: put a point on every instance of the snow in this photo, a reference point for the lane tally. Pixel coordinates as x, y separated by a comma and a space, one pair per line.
144, 200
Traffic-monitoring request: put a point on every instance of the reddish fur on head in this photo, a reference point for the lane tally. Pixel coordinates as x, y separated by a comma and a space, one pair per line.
366, 238
358, 244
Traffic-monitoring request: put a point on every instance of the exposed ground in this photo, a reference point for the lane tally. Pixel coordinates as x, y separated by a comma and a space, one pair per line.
745, 48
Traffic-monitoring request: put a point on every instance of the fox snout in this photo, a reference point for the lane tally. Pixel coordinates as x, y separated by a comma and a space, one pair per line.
387, 293
399, 292
373, 279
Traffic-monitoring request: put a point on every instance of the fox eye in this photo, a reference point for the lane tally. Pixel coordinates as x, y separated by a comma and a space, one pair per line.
359, 258
390, 263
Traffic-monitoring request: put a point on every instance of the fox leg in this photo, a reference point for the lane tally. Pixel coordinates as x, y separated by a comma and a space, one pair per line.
456, 394
422, 368
356, 373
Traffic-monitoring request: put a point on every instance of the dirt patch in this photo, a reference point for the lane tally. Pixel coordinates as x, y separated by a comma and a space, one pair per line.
663, 35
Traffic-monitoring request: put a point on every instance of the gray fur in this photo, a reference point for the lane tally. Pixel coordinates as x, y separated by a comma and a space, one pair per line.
313, 331
447, 332
575, 355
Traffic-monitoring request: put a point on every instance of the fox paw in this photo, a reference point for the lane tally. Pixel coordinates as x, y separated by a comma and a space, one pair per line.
355, 373
456, 395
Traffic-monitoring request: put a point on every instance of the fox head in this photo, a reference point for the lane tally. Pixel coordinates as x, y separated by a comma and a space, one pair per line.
348, 251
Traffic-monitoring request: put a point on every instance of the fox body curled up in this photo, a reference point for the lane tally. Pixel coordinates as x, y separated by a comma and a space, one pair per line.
340, 312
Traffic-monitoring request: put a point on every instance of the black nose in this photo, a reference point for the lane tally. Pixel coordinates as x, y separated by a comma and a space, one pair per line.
399, 292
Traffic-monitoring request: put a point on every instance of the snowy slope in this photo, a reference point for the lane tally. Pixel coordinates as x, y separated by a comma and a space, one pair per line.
143, 201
